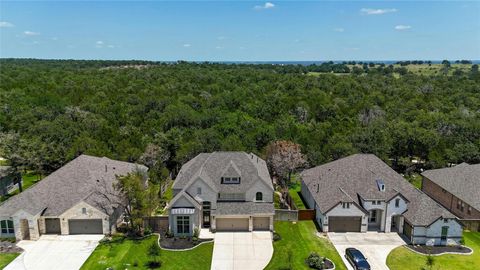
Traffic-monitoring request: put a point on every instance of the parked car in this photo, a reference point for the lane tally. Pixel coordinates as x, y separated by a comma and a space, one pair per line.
356, 259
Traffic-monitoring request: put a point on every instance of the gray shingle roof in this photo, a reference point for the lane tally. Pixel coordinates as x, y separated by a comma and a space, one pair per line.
243, 208
76, 181
211, 166
356, 176
463, 181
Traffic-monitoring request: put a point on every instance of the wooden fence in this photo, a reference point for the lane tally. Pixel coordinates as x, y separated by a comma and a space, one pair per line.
307, 214
158, 224
472, 225
286, 215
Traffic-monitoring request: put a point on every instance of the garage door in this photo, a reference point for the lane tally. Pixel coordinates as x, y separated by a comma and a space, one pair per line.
232, 224
85, 226
261, 223
52, 225
344, 224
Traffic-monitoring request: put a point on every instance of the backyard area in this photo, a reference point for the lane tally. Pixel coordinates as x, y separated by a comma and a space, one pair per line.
298, 240
6, 258
133, 254
294, 190
401, 257
29, 179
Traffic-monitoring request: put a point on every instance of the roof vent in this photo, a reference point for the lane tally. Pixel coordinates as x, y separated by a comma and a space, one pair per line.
380, 185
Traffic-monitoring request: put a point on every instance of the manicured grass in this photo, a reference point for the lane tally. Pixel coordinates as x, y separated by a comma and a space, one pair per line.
5, 259
415, 179
29, 179
299, 239
125, 254
294, 191
402, 258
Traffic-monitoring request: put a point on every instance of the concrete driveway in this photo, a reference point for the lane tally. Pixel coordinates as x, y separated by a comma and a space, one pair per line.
53, 252
242, 250
375, 246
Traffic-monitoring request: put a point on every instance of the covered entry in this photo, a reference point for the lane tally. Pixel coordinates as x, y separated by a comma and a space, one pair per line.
344, 224
232, 224
85, 226
52, 226
261, 223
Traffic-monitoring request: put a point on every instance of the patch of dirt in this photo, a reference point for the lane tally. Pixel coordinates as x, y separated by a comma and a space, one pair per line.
436, 250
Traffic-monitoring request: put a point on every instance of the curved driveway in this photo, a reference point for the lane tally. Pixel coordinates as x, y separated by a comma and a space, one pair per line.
242, 250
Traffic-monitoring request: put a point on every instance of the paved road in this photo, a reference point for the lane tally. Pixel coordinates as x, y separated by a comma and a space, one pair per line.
375, 246
52, 252
242, 250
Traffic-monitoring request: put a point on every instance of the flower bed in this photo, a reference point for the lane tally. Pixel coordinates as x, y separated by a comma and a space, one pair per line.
439, 250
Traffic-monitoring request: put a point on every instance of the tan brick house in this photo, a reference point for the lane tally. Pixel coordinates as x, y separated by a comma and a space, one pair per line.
457, 189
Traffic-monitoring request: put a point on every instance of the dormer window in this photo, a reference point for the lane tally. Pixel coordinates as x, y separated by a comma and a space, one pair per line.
230, 180
381, 185
259, 196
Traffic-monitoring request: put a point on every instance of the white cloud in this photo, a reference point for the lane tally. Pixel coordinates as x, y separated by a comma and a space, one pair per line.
99, 42
111, 46
30, 33
339, 29
6, 24
402, 27
219, 47
379, 11
186, 45
267, 5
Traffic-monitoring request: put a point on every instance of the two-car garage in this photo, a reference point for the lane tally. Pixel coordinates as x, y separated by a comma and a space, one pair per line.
344, 224
85, 226
242, 224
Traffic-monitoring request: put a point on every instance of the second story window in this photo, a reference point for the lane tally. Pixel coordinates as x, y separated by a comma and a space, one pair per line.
199, 190
346, 205
259, 196
397, 203
230, 180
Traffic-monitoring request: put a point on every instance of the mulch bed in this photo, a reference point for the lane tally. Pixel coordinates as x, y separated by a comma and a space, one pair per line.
436, 250
328, 264
180, 243
9, 247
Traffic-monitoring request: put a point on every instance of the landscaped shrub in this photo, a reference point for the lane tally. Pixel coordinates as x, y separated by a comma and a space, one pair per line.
154, 253
148, 231
196, 232
169, 233
315, 261
276, 237
8, 239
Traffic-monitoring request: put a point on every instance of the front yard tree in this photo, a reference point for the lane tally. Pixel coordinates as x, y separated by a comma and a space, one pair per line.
283, 158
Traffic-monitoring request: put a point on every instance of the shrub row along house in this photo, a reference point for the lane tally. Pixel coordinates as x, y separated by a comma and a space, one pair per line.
458, 190
360, 193
72, 200
223, 191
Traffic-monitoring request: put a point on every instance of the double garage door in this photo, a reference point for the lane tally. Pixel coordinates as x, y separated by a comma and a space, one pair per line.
241, 224
344, 224
85, 226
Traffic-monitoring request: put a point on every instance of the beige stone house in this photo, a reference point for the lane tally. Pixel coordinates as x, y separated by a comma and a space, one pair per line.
71, 200
222, 191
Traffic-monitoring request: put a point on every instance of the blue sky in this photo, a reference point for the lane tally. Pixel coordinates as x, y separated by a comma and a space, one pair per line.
241, 31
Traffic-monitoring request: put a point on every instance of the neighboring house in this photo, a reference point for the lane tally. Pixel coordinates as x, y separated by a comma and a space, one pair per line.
361, 193
223, 191
8, 180
71, 200
457, 189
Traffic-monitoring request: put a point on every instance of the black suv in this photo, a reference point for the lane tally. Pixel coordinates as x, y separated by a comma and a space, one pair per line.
356, 258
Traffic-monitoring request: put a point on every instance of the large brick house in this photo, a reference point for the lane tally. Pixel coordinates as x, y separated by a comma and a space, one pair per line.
457, 189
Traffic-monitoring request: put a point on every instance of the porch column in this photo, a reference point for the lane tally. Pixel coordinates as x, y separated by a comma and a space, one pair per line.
383, 221
250, 223
400, 224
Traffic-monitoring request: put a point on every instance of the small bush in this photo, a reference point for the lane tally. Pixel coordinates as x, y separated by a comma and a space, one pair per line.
169, 233
196, 232
8, 239
462, 241
148, 231
276, 237
315, 261
154, 264
135, 264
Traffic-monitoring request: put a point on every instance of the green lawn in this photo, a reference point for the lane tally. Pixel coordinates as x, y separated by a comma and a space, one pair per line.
415, 179
300, 239
402, 258
5, 259
294, 191
124, 255
29, 179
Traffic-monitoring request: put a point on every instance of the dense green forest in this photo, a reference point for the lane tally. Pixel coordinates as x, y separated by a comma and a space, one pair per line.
52, 111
